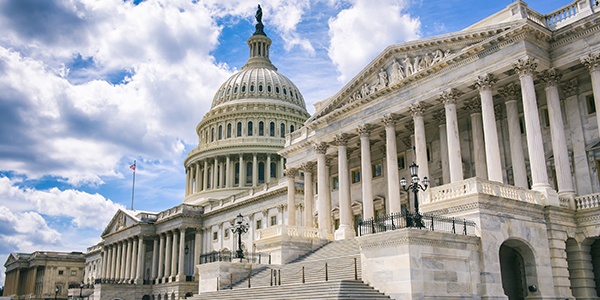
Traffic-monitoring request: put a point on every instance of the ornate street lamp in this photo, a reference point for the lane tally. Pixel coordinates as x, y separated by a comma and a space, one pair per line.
55, 292
80, 290
240, 228
414, 186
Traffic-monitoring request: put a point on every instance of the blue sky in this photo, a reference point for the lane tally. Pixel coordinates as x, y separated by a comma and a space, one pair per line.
89, 86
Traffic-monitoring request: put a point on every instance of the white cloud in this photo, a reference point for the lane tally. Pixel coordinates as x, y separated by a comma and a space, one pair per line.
362, 31
81, 208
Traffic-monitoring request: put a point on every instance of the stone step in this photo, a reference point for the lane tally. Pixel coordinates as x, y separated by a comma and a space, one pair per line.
340, 289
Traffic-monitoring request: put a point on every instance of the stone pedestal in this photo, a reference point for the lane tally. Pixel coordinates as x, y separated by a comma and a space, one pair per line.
218, 275
286, 243
344, 232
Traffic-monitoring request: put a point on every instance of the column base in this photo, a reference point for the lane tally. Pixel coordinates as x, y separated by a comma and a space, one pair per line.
548, 192
344, 232
180, 278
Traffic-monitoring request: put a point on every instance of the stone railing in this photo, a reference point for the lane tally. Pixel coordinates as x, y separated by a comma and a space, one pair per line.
291, 231
562, 14
587, 201
474, 186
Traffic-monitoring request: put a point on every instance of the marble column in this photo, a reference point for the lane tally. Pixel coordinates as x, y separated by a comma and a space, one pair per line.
592, 61
168, 257
161, 256
228, 171
346, 230
242, 171
181, 259
113, 269
417, 110
197, 251
367, 173
492, 148
268, 169
126, 272
198, 178
290, 173
107, 270
322, 191
155, 250
510, 94
187, 181
583, 179
391, 154
119, 265
449, 98
134, 259
215, 171
557, 133
309, 195
141, 254
254, 169
328, 217
473, 106
175, 254
440, 117
104, 260
205, 176
537, 160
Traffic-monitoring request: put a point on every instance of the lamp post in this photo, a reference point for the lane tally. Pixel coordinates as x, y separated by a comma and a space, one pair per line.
240, 228
55, 292
80, 290
414, 186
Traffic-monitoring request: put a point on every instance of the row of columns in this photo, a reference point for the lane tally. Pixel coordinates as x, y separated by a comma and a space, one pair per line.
123, 261
223, 174
486, 148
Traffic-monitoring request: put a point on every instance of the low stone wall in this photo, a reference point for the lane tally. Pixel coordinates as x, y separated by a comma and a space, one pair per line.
418, 264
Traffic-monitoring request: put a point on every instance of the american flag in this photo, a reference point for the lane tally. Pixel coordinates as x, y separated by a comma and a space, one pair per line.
132, 167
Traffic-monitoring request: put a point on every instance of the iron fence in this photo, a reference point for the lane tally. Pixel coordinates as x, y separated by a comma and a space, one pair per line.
228, 256
411, 220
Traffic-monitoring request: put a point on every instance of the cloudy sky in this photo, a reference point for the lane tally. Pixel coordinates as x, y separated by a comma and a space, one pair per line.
89, 86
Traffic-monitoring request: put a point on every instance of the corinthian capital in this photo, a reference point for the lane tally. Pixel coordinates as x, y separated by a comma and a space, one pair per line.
525, 66
571, 87
485, 82
510, 92
473, 105
342, 139
321, 148
450, 96
410, 125
440, 116
551, 77
307, 167
592, 61
364, 130
389, 119
417, 109
290, 172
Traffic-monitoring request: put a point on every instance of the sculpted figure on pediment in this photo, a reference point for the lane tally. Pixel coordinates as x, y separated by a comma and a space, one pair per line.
382, 79
397, 73
364, 91
425, 62
408, 67
438, 55
417, 64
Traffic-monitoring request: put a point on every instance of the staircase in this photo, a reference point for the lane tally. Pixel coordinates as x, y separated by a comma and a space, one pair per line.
340, 279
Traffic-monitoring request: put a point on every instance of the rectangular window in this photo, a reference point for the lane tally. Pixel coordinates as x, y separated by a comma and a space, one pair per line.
355, 175
215, 235
377, 169
226, 233
61, 272
401, 161
273, 220
258, 224
591, 104
73, 273
335, 183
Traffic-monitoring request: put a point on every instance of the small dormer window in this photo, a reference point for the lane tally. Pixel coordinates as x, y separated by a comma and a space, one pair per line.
228, 90
277, 89
284, 91
252, 88
235, 90
260, 88
243, 88
269, 88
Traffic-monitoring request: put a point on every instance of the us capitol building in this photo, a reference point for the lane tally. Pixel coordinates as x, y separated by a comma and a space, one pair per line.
502, 202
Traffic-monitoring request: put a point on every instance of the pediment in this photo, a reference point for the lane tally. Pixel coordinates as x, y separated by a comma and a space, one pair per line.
12, 258
402, 64
120, 221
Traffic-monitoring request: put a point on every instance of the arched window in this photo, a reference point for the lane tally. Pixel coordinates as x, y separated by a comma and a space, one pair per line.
237, 173
212, 134
277, 89
235, 90
284, 91
273, 170
229, 130
272, 129
260, 88
269, 88
261, 172
252, 88
282, 130
250, 128
291, 128
243, 88
220, 132
261, 128
239, 129
249, 173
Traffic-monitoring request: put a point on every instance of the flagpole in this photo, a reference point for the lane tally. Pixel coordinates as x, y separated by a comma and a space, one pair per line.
133, 186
